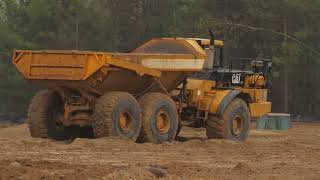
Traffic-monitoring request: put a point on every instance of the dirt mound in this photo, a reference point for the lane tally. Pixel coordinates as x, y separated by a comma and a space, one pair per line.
287, 154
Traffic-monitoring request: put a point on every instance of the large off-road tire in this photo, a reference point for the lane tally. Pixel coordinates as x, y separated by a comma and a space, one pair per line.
44, 116
159, 118
117, 114
233, 124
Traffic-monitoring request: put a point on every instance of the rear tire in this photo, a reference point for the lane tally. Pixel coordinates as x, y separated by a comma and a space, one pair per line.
44, 111
159, 118
117, 114
234, 124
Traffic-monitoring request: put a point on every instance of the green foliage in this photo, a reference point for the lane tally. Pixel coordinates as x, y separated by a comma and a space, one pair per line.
13, 90
120, 25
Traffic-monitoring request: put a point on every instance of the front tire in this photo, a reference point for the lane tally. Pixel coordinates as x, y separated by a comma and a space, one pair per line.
159, 118
44, 116
117, 114
234, 124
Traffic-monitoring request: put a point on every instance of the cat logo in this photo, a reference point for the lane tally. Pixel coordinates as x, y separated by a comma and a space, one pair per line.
236, 79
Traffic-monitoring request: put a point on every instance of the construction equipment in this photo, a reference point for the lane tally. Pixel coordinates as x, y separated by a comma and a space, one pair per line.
142, 95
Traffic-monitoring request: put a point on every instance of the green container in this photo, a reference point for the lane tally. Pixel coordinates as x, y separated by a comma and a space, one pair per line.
274, 121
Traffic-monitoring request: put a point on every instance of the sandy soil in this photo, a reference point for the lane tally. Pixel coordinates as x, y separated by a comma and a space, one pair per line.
293, 154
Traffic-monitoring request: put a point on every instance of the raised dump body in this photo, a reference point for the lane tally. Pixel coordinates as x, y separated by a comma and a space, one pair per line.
167, 61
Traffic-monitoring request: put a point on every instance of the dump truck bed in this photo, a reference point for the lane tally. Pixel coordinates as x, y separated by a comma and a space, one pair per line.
130, 72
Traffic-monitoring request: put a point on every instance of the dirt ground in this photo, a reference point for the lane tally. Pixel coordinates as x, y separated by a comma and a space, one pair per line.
293, 154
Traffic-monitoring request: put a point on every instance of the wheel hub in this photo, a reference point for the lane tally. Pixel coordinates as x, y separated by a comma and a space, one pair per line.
163, 121
237, 125
125, 122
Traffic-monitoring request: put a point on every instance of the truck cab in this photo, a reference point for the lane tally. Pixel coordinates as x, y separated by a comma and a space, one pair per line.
210, 92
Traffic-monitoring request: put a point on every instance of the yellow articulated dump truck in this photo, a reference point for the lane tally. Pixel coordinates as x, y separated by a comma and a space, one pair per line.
145, 94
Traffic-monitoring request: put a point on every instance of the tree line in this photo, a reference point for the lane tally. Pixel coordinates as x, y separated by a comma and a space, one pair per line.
121, 25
